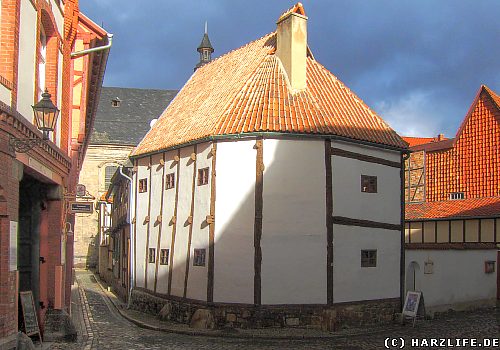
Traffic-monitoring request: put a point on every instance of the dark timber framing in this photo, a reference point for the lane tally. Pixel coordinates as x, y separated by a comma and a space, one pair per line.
135, 221
402, 257
342, 220
329, 223
160, 224
365, 158
149, 224
211, 230
174, 224
188, 255
259, 189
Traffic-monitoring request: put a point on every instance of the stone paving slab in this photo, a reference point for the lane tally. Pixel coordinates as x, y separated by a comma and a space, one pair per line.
106, 328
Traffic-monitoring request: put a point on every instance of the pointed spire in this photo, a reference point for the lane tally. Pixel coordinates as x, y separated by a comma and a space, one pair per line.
205, 49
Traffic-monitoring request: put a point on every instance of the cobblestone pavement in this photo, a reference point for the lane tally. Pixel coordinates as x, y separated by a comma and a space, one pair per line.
102, 327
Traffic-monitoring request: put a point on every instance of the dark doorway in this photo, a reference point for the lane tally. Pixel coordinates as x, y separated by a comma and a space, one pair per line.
28, 256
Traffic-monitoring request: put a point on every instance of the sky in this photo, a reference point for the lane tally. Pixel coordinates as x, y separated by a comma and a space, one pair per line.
417, 63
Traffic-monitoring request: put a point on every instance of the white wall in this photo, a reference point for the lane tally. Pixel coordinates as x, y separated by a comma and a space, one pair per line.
5, 95
154, 227
182, 226
167, 228
59, 98
351, 282
197, 278
27, 50
234, 222
141, 225
294, 228
458, 276
349, 201
58, 16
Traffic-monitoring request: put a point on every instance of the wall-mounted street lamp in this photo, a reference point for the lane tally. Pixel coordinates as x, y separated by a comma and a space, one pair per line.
46, 114
67, 229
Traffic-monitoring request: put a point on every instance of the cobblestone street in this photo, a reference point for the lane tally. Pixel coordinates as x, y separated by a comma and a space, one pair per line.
100, 326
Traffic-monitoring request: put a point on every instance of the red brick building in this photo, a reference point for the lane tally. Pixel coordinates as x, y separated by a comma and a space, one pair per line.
41, 45
452, 192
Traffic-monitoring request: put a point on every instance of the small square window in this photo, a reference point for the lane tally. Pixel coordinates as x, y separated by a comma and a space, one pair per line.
143, 185
203, 176
368, 184
152, 255
164, 254
457, 195
368, 258
170, 181
199, 257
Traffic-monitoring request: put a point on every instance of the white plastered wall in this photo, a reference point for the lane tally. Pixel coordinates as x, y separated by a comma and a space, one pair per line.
58, 16
351, 282
349, 201
234, 222
182, 225
154, 226
458, 276
141, 224
27, 51
197, 278
167, 227
294, 229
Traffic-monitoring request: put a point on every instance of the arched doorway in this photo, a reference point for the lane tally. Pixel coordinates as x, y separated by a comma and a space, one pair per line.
412, 276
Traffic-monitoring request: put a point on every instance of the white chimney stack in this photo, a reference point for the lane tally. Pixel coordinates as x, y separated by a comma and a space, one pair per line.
291, 46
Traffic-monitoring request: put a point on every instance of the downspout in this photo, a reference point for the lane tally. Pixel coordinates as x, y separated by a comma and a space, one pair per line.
94, 49
405, 155
129, 215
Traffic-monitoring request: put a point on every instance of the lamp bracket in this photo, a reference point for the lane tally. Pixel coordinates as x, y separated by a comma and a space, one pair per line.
24, 145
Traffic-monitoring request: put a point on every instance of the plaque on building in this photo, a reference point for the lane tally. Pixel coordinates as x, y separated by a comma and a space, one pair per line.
81, 207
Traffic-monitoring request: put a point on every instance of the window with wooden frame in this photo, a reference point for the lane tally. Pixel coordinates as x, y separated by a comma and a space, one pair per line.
368, 184
143, 185
369, 258
164, 254
199, 257
170, 181
152, 255
203, 176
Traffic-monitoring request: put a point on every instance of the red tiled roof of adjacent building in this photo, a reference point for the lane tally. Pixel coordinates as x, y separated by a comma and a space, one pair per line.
247, 91
415, 141
462, 208
470, 162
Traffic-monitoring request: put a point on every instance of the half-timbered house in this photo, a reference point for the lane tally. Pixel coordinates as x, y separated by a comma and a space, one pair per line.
452, 191
268, 193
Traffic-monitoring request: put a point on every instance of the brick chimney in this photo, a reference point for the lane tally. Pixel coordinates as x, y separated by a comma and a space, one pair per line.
291, 46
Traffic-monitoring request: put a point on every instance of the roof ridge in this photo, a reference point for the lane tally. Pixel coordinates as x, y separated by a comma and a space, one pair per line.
360, 101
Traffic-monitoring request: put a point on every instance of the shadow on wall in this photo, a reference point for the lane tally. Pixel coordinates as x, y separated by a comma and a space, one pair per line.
92, 259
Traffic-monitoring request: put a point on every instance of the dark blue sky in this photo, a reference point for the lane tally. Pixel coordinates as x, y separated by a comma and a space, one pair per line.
418, 64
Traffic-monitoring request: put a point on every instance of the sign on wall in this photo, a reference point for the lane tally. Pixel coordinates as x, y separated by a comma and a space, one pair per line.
81, 207
13, 246
80, 190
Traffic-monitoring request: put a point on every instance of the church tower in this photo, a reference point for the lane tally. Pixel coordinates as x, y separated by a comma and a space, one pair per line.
205, 49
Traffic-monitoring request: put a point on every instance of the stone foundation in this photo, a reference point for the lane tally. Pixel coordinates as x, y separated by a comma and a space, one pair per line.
220, 315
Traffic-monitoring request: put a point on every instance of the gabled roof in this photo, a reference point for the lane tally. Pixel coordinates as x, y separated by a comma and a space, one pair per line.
415, 141
247, 91
462, 208
127, 123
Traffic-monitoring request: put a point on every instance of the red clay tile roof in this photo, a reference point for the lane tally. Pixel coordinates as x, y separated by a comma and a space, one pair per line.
470, 162
415, 141
247, 90
476, 207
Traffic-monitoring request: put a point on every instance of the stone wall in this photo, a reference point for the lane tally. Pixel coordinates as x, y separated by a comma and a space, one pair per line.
250, 316
92, 176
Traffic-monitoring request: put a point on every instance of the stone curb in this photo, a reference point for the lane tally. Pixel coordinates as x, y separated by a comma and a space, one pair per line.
222, 334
